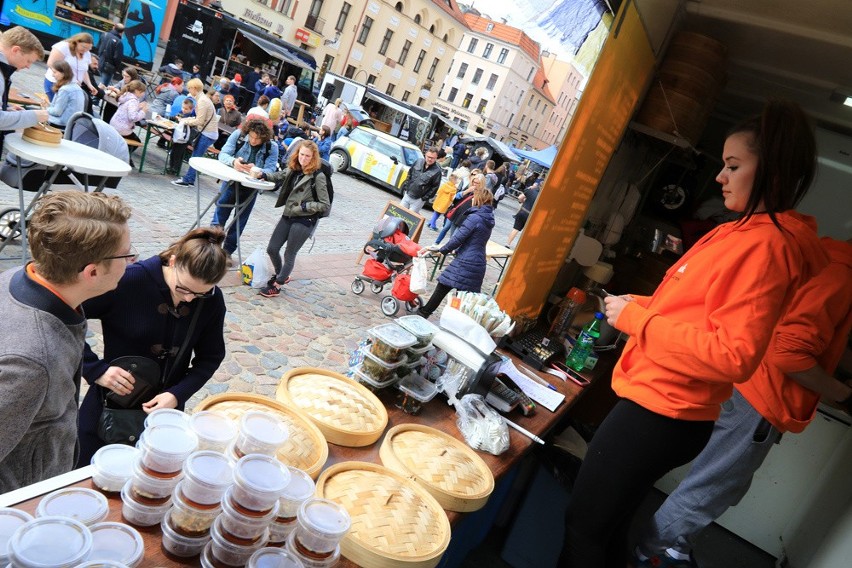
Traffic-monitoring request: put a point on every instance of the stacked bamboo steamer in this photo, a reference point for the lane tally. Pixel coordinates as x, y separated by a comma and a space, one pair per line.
686, 87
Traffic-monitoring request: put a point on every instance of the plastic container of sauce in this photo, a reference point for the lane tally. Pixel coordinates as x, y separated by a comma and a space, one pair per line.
207, 475
170, 416
260, 433
243, 523
225, 549
274, 558
34, 545
113, 465
165, 447
215, 431
85, 505
259, 482
320, 524
310, 559
179, 544
140, 514
190, 519
116, 542
10, 521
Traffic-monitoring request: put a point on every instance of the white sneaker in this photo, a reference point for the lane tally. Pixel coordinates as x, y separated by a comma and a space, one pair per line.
181, 183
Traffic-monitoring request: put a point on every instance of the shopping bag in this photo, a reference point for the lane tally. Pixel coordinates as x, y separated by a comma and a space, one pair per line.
256, 269
419, 275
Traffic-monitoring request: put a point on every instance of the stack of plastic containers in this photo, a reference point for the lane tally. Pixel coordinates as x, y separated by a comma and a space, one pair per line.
423, 331
57, 542
415, 386
248, 508
113, 465
196, 502
300, 489
384, 357
260, 433
320, 525
148, 494
274, 558
215, 431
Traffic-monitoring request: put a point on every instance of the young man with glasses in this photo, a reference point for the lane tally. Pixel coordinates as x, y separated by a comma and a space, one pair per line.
80, 246
161, 304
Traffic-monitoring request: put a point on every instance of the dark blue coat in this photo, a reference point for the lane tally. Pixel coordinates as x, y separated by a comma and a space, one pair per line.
467, 270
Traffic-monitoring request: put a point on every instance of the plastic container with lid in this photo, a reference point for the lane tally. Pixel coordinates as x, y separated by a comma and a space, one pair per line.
416, 391
300, 489
188, 518
35, 545
166, 447
421, 328
243, 523
274, 558
151, 488
207, 475
85, 505
414, 354
280, 530
101, 564
179, 544
311, 559
215, 431
377, 369
389, 340
372, 384
10, 521
228, 550
320, 524
117, 542
169, 416
113, 465
139, 514
260, 433
259, 482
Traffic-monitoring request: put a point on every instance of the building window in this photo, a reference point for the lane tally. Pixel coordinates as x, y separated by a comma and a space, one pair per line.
389, 90
463, 124
405, 96
537, 103
341, 18
313, 21
417, 19
489, 47
530, 74
419, 61
453, 93
365, 30
504, 53
371, 80
398, 7
383, 49
520, 96
420, 101
477, 76
467, 100
471, 47
403, 55
284, 6
350, 71
492, 82
481, 107
432, 69
462, 71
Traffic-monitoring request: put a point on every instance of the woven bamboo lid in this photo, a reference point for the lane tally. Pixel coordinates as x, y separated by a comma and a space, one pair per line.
395, 522
305, 448
43, 135
346, 412
446, 467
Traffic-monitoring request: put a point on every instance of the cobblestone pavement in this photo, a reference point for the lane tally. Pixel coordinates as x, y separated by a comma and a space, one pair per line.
317, 320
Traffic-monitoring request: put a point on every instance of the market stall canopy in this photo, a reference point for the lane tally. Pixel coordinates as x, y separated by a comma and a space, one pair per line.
451, 123
275, 50
390, 102
541, 157
500, 148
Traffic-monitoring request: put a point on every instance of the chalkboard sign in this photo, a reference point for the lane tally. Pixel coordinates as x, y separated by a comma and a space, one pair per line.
415, 222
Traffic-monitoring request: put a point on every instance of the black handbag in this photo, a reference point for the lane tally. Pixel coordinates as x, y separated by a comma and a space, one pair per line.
124, 425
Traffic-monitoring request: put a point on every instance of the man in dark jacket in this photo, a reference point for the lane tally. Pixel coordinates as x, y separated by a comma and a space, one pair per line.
110, 52
459, 152
423, 181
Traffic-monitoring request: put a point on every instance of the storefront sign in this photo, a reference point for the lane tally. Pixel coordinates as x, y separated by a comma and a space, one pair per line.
304, 36
257, 18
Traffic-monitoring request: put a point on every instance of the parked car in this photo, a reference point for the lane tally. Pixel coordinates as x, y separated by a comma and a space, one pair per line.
375, 155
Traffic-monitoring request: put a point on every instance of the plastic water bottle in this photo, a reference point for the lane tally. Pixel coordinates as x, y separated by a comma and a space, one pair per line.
567, 310
585, 343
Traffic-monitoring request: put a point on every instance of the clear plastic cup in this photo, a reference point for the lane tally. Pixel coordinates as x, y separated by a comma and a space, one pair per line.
320, 524
243, 523
10, 521
34, 545
260, 433
84, 505
259, 482
228, 550
170, 416
300, 489
139, 514
274, 558
207, 475
280, 530
189, 519
311, 559
166, 447
215, 431
113, 465
117, 542
151, 488
179, 544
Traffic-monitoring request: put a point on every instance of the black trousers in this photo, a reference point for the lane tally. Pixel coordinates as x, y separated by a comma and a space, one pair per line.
631, 450
441, 291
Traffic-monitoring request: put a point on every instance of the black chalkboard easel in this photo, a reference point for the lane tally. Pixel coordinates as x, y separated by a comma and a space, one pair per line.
415, 222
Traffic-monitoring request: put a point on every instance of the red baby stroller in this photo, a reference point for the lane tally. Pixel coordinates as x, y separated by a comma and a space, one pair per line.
391, 252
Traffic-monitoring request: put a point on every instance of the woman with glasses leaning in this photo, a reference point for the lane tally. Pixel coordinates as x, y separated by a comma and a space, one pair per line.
166, 311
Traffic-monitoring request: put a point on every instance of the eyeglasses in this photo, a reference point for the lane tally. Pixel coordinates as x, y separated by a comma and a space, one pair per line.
130, 258
180, 289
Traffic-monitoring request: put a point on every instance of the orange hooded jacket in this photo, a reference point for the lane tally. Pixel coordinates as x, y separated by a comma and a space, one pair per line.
813, 332
709, 322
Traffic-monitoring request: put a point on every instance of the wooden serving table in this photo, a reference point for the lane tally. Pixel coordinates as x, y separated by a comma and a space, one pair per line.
436, 414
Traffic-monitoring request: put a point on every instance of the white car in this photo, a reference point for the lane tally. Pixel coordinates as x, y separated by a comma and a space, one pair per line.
376, 155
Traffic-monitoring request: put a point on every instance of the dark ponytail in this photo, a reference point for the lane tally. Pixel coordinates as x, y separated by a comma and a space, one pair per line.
200, 253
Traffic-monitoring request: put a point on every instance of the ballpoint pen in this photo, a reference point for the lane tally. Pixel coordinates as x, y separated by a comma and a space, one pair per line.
524, 431
536, 378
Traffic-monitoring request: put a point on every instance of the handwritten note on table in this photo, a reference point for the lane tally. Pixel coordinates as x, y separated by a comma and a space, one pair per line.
549, 399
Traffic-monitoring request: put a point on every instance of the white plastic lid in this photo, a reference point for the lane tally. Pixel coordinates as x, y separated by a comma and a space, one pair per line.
169, 416
301, 485
116, 542
210, 469
116, 460
101, 564
10, 521
393, 335
84, 505
264, 427
270, 557
171, 440
213, 426
418, 326
261, 473
36, 544
324, 517
418, 387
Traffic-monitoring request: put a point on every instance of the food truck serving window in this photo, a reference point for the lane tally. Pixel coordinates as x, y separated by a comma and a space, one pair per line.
93, 14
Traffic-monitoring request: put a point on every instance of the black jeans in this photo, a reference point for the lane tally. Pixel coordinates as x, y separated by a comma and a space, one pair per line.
441, 291
294, 234
630, 451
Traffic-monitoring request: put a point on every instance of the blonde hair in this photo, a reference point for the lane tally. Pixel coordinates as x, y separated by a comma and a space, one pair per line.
81, 37
23, 38
195, 84
71, 229
482, 196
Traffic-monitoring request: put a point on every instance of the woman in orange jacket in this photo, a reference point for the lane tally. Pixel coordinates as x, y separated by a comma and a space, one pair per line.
706, 326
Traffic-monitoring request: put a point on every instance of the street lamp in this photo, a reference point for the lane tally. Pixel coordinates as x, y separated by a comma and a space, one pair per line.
355, 76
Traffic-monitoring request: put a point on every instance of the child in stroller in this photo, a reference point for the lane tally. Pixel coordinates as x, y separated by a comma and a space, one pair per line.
391, 252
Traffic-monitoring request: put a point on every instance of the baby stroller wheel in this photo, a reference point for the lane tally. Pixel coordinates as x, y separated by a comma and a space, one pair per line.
413, 305
357, 286
376, 287
390, 306
10, 223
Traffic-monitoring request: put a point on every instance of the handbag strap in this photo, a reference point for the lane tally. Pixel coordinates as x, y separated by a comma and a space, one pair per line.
192, 324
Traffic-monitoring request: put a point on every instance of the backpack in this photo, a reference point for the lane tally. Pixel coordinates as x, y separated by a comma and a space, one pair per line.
181, 134
325, 168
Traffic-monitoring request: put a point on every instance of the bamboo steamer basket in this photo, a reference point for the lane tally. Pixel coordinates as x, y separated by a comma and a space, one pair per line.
43, 135
306, 447
395, 522
345, 412
446, 467
674, 113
